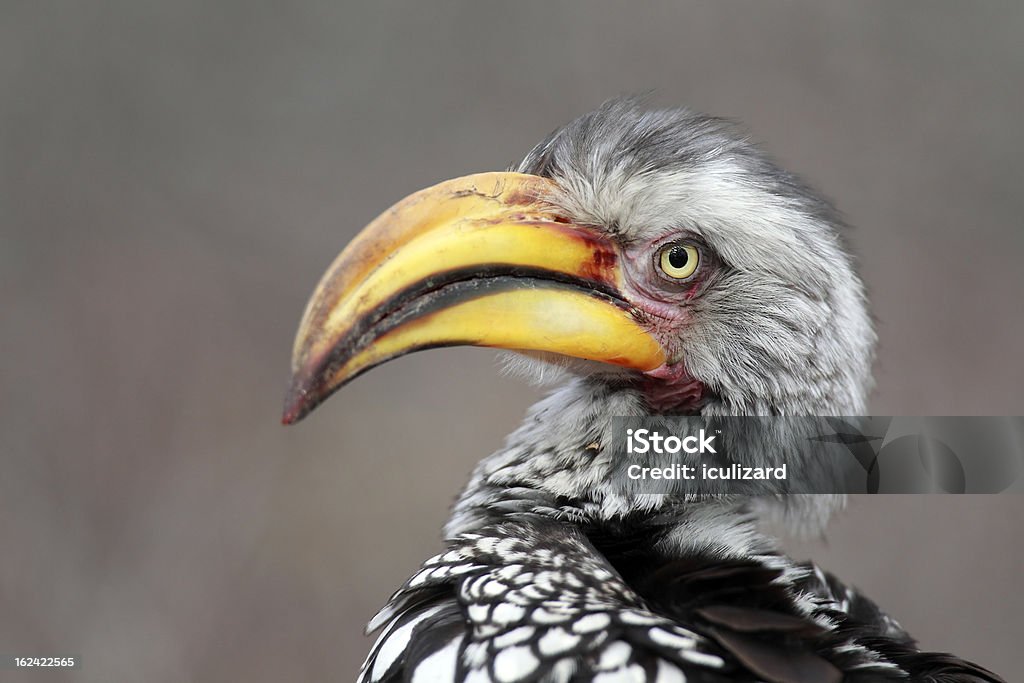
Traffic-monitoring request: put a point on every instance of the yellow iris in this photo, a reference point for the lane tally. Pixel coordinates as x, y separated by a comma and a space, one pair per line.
679, 261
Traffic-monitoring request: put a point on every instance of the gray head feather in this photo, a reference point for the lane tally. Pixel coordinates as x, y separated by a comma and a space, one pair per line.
782, 329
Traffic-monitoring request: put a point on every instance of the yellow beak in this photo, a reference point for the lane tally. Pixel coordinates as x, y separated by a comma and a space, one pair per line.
481, 260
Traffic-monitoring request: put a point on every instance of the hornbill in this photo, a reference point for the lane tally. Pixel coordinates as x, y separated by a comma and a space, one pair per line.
648, 263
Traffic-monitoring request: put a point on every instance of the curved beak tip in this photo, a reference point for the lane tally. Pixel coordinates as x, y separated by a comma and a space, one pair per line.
291, 415
298, 402
293, 411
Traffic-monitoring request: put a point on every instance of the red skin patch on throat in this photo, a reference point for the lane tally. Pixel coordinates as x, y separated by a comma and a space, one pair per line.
678, 395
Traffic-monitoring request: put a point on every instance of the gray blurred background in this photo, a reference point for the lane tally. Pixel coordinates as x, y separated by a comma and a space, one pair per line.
175, 176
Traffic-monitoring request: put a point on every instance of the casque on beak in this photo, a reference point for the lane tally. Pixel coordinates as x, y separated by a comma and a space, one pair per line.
481, 260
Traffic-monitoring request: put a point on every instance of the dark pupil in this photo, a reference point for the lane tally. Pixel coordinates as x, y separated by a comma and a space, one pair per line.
678, 257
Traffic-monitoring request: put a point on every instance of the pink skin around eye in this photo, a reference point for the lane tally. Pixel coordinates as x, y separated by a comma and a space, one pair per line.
668, 388
655, 294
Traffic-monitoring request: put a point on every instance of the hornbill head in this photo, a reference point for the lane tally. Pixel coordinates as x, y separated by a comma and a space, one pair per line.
657, 249
667, 266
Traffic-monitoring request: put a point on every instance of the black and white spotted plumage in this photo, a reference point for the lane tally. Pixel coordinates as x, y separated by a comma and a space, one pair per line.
532, 599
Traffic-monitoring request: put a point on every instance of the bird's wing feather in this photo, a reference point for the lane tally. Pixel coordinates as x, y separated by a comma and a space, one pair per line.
533, 599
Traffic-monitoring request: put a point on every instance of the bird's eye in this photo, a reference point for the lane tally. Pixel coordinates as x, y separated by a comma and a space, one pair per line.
679, 261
